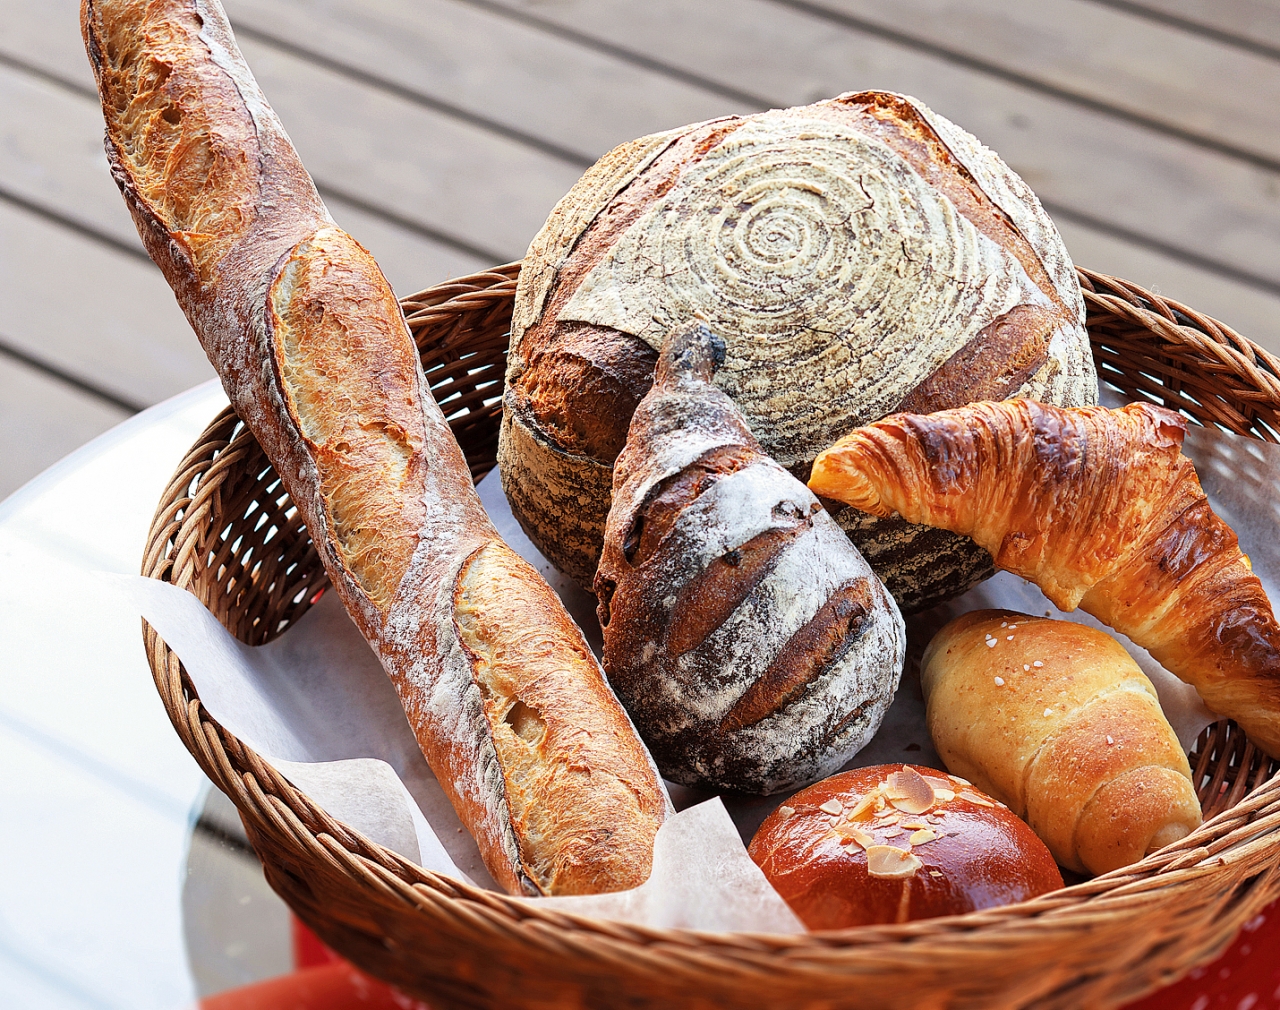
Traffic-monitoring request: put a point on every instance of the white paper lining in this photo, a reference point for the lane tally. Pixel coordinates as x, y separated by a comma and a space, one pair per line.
316, 703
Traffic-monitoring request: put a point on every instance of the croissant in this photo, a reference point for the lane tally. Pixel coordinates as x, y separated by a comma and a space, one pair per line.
1057, 720
749, 640
1101, 510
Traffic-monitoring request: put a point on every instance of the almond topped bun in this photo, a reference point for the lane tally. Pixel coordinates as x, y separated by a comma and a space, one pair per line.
892, 843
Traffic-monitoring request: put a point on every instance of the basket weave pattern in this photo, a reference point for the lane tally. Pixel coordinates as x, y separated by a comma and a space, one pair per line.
226, 531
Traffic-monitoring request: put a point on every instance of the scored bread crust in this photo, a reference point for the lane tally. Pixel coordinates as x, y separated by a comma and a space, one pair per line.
749, 640
589, 316
314, 354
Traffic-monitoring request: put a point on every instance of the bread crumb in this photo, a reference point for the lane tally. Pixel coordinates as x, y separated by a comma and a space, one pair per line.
1026, 667
999, 682
1048, 712
1109, 741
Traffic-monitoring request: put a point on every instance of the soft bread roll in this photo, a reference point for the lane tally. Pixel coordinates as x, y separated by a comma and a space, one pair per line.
749, 640
1057, 720
892, 843
1101, 510
507, 702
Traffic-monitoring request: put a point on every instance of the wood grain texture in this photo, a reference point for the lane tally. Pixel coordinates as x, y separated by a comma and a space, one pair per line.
450, 175
538, 76
120, 330
1114, 57
1255, 20
1247, 309
489, 66
1198, 201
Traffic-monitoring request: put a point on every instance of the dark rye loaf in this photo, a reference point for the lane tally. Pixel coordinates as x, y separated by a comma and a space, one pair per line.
861, 255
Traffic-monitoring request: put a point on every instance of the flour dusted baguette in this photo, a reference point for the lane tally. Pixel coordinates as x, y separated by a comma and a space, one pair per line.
750, 641
1057, 720
509, 706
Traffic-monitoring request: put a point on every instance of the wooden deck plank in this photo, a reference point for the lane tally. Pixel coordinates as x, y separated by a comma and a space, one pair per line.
51, 156
1247, 310
453, 176
106, 318
489, 66
579, 98
46, 34
1256, 21
41, 420
1187, 82
1205, 203
1202, 203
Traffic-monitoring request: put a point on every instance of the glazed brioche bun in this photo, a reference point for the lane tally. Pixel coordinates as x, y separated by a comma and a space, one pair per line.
893, 843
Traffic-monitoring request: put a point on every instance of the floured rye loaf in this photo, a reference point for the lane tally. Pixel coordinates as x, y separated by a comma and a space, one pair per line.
749, 640
861, 255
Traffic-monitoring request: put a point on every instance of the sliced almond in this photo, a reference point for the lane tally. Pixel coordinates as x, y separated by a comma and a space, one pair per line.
890, 818
915, 825
922, 836
974, 798
889, 862
944, 795
934, 873
892, 832
909, 791
833, 807
861, 838
785, 811
864, 808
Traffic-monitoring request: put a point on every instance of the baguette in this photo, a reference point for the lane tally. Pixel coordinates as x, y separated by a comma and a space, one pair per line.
510, 708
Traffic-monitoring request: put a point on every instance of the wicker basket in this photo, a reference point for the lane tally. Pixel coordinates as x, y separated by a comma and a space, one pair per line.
226, 531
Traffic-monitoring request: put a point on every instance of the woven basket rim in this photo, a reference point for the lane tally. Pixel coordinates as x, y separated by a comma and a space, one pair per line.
1234, 834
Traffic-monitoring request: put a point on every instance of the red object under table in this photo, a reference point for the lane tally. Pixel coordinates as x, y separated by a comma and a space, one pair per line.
1246, 977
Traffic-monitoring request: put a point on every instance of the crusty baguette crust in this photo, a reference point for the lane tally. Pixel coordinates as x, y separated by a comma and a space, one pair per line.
1101, 510
1057, 720
315, 356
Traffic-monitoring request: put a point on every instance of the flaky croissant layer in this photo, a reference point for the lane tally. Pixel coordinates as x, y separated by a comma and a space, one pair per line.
1101, 510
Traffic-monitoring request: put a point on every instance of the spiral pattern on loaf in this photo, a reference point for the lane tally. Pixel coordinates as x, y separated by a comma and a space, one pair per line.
828, 233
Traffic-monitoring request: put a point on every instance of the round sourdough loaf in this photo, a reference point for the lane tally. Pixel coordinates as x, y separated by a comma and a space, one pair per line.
860, 255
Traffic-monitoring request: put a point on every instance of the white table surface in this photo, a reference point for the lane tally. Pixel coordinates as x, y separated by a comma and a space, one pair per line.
97, 794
